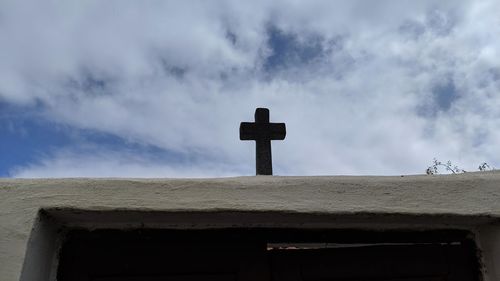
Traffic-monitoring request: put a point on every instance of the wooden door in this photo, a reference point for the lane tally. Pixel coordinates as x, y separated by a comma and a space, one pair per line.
244, 255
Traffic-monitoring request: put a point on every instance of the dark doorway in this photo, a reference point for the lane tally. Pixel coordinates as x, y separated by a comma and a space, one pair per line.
266, 254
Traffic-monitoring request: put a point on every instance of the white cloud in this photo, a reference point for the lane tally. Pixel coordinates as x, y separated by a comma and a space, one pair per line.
67, 164
182, 75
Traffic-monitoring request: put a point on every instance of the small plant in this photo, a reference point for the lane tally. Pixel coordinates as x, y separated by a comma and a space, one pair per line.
434, 168
485, 167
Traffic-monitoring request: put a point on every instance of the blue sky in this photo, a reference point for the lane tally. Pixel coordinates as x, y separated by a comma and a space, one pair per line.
157, 89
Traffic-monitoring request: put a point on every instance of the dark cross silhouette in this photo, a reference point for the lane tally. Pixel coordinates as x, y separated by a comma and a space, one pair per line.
262, 132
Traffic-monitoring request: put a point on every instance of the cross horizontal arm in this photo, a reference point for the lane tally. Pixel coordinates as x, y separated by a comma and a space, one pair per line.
262, 131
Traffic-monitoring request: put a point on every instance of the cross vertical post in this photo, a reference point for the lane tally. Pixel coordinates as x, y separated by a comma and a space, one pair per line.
262, 132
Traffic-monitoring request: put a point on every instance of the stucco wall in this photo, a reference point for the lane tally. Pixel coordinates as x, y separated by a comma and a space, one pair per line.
469, 201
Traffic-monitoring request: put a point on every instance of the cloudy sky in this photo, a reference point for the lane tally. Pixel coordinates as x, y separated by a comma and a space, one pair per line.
158, 88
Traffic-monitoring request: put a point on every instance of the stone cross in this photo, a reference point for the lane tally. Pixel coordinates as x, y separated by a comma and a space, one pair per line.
262, 132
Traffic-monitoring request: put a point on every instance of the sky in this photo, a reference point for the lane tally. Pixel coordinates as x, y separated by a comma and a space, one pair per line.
158, 88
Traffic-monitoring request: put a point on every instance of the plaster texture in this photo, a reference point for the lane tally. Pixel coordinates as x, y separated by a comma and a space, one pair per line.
469, 201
